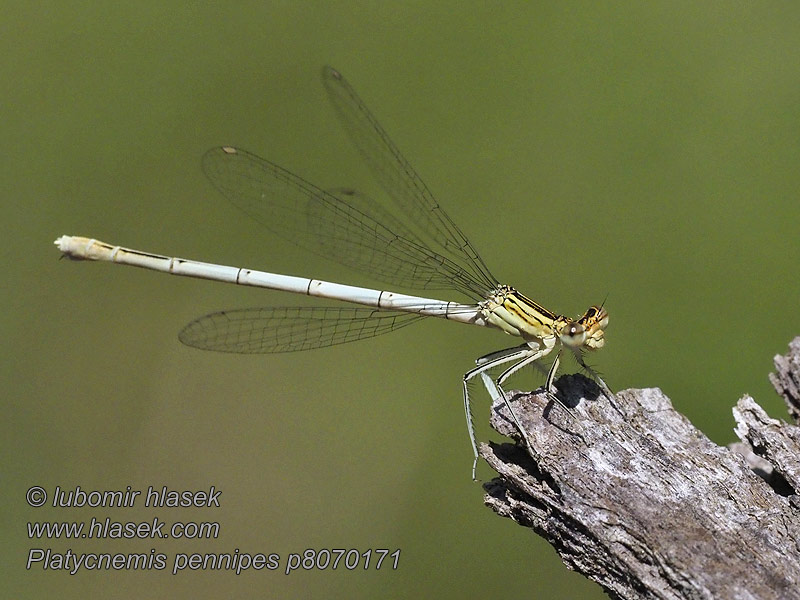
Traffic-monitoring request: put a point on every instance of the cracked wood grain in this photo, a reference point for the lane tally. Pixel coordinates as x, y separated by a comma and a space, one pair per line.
636, 498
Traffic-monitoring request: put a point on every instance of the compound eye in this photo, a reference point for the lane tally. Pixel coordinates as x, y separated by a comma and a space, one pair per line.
573, 334
602, 316
596, 316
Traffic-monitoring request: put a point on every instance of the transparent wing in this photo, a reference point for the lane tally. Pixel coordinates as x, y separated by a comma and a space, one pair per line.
349, 227
411, 196
289, 329
414, 246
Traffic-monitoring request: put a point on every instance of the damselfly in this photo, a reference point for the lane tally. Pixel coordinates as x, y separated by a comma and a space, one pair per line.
416, 246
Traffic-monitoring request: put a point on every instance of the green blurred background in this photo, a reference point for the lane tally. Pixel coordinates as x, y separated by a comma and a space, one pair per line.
644, 153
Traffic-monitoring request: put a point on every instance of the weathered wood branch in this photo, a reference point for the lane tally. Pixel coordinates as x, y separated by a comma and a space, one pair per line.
634, 497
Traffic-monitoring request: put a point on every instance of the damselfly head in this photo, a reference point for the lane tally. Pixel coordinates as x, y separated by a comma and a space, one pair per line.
586, 332
594, 321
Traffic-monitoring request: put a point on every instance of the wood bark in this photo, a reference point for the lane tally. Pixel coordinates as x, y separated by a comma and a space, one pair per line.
633, 496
